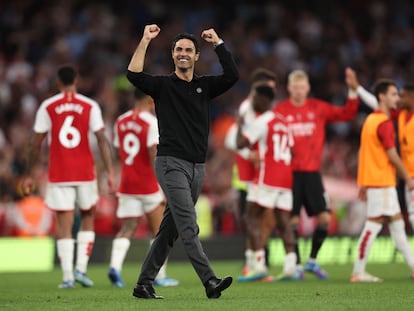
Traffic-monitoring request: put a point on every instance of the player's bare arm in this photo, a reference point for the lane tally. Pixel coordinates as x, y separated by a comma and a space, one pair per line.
402, 172
137, 61
32, 157
241, 141
105, 149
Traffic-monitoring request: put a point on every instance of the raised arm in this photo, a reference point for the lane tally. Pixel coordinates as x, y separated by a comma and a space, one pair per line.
220, 84
352, 81
137, 61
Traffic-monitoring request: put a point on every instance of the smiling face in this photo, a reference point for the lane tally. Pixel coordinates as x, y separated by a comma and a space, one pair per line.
184, 55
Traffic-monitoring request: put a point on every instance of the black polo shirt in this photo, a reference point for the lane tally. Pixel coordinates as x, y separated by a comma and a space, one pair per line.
183, 108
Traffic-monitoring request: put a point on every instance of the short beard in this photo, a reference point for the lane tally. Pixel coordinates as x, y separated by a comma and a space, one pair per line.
183, 70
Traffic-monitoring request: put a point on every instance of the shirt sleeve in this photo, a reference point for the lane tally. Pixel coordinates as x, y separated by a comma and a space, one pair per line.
149, 84
221, 83
369, 99
42, 122
386, 134
152, 138
116, 136
255, 130
343, 113
231, 137
96, 120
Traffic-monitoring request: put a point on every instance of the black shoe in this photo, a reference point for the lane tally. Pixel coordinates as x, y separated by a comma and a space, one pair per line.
215, 286
145, 291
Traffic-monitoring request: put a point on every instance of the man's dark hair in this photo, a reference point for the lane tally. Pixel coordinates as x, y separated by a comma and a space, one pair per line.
185, 36
381, 86
266, 91
66, 74
262, 74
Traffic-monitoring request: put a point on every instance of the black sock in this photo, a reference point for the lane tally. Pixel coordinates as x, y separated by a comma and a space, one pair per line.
318, 237
296, 234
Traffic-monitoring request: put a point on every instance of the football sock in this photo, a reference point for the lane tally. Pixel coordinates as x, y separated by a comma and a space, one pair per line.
85, 242
65, 248
296, 234
366, 239
318, 237
397, 231
289, 266
248, 254
119, 250
259, 261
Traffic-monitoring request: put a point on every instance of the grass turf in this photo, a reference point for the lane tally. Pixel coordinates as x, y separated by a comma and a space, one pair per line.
38, 291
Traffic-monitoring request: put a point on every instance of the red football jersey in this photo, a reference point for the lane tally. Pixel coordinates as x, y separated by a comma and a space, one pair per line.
68, 118
308, 123
275, 141
134, 132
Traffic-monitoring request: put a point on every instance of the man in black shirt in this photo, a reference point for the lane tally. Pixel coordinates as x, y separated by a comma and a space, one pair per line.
183, 111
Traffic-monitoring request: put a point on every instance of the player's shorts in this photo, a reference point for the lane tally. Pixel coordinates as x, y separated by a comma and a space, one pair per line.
308, 192
271, 197
382, 202
61, 197
134, 206
251, 192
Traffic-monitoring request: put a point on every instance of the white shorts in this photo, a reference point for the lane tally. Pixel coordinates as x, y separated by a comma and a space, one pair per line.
270, 197
134, 206
382, 202
61, 197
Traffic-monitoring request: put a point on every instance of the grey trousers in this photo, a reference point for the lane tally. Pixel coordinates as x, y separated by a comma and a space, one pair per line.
181, 182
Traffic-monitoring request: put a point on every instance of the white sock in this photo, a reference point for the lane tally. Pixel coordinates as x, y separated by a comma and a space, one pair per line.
289, 266
259, 262
397, 231
119, 250
248, 254
85, 242
162, 274
65, 248
366, 239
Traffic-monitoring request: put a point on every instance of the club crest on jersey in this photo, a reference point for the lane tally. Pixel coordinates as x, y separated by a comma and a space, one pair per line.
311, 115
199, 90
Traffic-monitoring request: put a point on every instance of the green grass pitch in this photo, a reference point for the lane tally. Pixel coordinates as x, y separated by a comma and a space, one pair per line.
38, 291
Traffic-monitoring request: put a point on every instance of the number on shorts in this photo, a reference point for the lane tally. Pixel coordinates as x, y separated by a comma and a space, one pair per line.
69, 136
131, 146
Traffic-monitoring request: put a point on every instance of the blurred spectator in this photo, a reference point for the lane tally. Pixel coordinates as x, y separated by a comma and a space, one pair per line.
32, 218
375, 37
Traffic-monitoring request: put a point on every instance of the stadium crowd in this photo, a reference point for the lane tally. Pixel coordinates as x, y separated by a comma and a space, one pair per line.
322, 38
